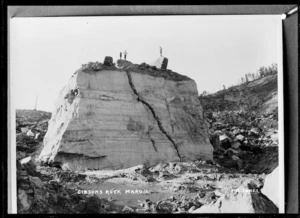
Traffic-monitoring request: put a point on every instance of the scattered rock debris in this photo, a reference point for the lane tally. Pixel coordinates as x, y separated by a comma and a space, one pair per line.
144, 68
245, 150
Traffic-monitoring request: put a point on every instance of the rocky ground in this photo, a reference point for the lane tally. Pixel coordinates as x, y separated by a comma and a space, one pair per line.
245, 150
243, 129
244, 141
31, 127
243, 123
139, 68
40, 192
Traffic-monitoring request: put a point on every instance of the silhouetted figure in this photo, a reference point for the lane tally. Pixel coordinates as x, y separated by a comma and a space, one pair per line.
125, 54
120, 55
160, 51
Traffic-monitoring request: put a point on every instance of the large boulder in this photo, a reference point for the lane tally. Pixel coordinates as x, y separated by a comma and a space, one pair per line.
241, 200
271, 186
118, 119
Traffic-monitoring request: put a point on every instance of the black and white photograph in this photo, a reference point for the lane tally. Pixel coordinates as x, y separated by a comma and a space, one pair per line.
147, 114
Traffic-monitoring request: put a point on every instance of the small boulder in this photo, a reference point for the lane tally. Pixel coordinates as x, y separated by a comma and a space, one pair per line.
225, 141
24, 129
36, 181
21, 137
28, 165
254, 131
240, 137
30, 133
127, 209
96, 66
231, 151
274, 138
164, 64
223, 137
191, 209
233, 157
37, 136
25, 160
177, 169
218, 132
160, 63
236, 132
236, 144
23, 201
20, 155
108, 61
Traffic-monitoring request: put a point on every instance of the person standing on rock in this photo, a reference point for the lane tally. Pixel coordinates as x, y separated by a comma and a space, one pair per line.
120, 55
160, 50
125, 54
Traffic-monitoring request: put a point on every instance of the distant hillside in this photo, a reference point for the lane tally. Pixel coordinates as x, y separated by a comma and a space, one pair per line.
259, 95
29, 116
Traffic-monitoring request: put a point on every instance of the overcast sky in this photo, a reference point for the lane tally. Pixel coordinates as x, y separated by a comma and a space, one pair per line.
212, 50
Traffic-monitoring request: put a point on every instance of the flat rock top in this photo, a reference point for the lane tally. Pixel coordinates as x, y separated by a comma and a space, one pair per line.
137, 68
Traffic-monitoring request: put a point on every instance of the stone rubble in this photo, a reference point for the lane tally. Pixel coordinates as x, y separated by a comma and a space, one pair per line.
237, 180
244, 140
31, 127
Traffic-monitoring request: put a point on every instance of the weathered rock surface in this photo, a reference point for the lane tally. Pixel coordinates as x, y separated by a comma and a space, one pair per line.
118, 119
271, 186
242, 200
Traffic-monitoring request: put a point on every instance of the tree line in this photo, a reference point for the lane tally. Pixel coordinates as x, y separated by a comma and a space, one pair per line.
260, 73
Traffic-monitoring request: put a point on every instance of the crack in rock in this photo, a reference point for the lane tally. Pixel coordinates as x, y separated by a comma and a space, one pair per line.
77, 155
153, 113
154, 146
152, 141
167, 105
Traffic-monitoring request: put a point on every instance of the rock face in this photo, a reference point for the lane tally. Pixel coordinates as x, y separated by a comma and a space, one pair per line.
271, 186
241, 200
112, 119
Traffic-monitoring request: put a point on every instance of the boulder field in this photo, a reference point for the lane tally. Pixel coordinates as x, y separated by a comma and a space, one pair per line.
117, 117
